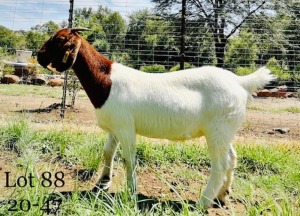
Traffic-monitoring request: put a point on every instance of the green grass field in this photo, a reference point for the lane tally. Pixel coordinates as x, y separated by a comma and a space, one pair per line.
171, 174
267, 178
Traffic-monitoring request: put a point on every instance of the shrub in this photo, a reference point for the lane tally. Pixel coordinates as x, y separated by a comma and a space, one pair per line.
298, 93
296, 73
276, 69
33, 68
177, 67
282, 75
101, 44
241, 71
153, 68
272, 62
272, 65
2, 51
121, 57
7, 69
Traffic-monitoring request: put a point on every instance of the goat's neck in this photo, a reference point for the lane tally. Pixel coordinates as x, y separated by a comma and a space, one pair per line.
93, 71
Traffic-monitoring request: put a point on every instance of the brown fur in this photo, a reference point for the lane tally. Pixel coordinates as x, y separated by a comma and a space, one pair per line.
92, 68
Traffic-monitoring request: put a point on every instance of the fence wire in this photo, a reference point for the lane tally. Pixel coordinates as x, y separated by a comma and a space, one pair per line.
147, 33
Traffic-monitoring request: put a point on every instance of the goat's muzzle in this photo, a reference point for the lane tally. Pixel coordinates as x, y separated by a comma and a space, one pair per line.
44, 55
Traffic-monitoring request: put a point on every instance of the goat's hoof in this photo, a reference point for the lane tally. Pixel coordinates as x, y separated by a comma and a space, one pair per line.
103, 185
219, 203
99, 188
201, 207
204, 204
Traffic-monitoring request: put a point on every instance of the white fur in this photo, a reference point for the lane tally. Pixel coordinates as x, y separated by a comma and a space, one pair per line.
179, 105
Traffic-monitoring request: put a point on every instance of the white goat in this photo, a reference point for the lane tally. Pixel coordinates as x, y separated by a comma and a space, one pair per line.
180, 105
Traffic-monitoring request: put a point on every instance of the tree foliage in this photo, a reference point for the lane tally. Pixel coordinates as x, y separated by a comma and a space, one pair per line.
222, 18
292, 35
108, 28
47, 28
34, 40
242, 50
149, 39
10, 40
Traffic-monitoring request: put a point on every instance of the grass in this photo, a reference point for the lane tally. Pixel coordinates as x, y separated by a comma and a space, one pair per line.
267, 178
36, 91
290, 109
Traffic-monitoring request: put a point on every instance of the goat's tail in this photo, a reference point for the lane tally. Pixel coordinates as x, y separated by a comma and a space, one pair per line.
257, 79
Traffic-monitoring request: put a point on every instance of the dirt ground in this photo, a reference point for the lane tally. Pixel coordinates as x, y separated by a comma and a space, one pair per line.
258, 123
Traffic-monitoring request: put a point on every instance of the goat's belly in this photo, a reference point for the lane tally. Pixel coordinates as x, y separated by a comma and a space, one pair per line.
176, 130
172, 136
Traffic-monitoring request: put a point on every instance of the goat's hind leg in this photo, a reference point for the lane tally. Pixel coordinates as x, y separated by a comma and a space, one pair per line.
226, 188
218, 147
110, 148
127, 140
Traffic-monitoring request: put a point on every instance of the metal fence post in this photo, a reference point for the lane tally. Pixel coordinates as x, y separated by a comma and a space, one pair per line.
63, 102
182, 35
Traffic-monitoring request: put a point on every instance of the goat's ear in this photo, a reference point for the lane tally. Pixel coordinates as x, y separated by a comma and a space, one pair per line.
67, 55
79, 29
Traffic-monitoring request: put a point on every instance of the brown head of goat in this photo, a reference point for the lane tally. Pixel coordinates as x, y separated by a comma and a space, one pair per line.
66, 49
60, 51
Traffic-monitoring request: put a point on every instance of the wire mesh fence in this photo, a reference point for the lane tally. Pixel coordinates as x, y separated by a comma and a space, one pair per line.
240, 35
237, 35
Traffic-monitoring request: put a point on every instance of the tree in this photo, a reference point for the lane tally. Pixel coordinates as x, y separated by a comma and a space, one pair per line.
199, 43
34, 40
242, 50
108, 28
291, 33
268, 31
114, 27
48, 28
150, 39
277, 34
222, 18
159, 40
10, 40
136, 25
38, 34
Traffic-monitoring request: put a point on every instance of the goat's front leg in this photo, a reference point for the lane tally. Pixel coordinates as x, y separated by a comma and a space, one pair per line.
110, 148
127, 140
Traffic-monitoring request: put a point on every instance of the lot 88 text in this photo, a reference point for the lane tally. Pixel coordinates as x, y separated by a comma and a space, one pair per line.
47, 179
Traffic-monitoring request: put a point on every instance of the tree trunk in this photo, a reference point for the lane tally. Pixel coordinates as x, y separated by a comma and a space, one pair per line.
218, 29
220, 45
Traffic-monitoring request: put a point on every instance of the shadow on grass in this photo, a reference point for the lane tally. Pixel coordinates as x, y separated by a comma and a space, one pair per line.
41, 110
